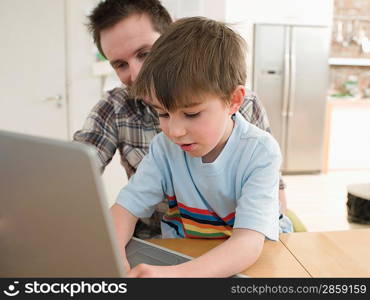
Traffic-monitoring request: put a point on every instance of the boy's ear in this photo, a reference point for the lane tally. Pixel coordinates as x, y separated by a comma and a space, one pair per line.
237, 98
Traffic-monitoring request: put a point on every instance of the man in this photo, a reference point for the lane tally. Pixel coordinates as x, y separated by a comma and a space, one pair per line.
124, 32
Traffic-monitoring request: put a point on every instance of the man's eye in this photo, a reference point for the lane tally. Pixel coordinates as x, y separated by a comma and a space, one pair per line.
142, 55
121, 66
193, 115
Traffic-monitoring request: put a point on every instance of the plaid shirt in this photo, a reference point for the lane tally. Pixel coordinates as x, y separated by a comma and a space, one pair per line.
129, 125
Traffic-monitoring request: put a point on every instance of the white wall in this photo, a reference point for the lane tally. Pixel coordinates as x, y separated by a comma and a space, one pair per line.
84, 89
310, 12
214, 9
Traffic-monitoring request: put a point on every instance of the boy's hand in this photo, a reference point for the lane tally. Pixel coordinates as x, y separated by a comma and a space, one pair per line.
149, 271
245, 244
126, 265
124, 225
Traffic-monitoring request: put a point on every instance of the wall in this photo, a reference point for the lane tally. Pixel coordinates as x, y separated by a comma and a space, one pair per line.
214, 9
83, 88
311, 12
356, 15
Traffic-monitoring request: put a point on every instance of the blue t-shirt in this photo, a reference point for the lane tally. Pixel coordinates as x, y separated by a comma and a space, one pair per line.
207, 200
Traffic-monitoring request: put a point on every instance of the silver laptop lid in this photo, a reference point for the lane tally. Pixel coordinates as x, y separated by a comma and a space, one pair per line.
54, 220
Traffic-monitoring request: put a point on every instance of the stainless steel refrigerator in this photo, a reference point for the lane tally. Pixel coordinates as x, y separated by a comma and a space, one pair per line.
290, 76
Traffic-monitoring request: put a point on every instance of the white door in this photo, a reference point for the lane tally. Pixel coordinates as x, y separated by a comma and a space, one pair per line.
33, 67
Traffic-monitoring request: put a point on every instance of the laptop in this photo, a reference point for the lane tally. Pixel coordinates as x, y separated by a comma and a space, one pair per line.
54, 217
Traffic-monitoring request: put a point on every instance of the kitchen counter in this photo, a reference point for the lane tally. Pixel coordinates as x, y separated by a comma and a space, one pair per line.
347, 128
348, 101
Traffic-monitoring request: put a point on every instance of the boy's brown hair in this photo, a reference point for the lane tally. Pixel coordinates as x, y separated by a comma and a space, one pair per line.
109, 12
193, 58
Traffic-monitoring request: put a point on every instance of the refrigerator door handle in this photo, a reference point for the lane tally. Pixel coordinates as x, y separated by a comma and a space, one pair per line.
284, 108
292, 75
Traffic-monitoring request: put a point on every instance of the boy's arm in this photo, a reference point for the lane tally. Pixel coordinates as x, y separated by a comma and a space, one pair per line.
233, 256
256, 217
139, 197
124, 224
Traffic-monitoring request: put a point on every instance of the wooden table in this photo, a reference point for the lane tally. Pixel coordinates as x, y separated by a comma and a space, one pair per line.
303, 254
275, 260
331, 254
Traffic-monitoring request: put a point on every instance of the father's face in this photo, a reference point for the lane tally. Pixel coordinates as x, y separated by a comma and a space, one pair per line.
126, 45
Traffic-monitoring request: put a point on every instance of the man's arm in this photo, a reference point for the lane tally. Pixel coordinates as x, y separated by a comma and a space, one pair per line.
282, 201
253, 111
100, 131
233, 256
124, 224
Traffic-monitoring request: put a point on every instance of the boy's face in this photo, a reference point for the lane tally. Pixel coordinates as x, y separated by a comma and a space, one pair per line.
201, 129
127, 44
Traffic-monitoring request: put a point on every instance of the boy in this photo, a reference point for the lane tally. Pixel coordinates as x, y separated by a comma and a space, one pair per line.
219, 173
124, 32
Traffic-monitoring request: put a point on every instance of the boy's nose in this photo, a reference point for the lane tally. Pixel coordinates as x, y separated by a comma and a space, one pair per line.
176, 129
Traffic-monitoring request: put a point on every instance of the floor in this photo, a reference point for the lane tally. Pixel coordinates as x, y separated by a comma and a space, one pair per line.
320, 200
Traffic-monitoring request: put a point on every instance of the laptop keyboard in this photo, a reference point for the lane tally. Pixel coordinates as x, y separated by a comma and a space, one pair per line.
138, 253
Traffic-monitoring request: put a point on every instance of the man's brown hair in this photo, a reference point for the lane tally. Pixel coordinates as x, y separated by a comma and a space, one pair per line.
109, 12
193, 58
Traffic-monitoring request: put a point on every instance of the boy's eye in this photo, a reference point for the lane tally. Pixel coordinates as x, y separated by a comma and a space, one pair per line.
163, 115
192, 115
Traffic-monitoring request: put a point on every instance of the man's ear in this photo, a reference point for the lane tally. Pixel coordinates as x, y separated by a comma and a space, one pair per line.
237, 98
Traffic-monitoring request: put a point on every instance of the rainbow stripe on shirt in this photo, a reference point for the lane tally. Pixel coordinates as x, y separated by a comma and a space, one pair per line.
193, 222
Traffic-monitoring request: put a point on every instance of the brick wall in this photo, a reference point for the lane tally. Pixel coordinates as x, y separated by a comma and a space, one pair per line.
354, 9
